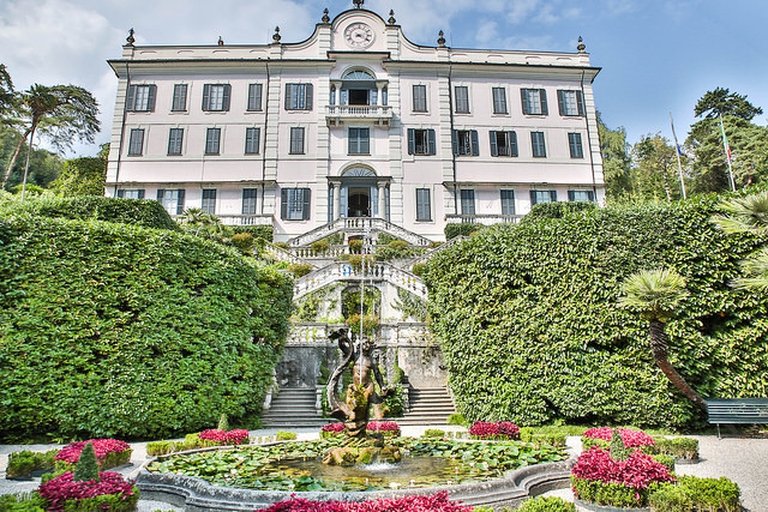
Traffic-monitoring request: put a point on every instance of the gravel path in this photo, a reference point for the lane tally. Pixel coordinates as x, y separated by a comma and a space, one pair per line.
745, 461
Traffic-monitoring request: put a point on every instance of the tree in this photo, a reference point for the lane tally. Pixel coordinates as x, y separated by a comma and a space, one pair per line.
655, 172
201, 223
7, 94
59, 112
748, 142
748, 215
84, 176
616, 160
656, 294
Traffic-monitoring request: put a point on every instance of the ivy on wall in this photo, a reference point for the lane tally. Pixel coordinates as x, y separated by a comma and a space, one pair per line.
529, 323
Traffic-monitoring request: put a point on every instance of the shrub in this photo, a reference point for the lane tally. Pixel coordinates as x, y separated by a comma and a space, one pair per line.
370, 323
110, 492
694, 493
434, 433
418, 269
598, 478
678, 447
557, 210
156, 448
388, 428
501, 430
320, 246
300, 269
284, 435
221, 437
435, 503
667, 460
244, 242
464, 229
26, 502
264, 233
22, 464
86, 468
547, 504
552, 311
457, 419
157, 335
356, 245
109, 453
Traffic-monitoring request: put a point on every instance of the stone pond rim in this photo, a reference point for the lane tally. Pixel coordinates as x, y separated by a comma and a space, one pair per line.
197, 495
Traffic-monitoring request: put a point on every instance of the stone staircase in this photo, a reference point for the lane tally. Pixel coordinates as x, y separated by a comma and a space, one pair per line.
293, 408
429, 406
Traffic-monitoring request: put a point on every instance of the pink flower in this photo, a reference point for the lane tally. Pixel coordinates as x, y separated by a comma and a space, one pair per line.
333, 427
235, 436
494, 430
631, 438
638, 471
62, 488
435, 503
102, 447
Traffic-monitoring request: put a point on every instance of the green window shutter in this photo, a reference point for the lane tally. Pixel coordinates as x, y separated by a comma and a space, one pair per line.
141, 193
512, 143
475, 143
284, 203
290, 90
571, 195
411, 141
305, 204
543, 96
494, 143
432, 143
121, 193
227, 94
580, 101
455, 139
561, 102
207, 97
130, 101
180, 204
553, 195
152, 90
308, 96
524, 101
160, 194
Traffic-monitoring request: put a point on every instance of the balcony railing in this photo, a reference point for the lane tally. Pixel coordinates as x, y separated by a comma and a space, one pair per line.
484, 219
337, 114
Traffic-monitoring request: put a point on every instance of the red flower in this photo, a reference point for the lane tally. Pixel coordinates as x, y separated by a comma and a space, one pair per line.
62, 488
235, 436
435, 503
102, 447
494, 430
631, 438
638, 471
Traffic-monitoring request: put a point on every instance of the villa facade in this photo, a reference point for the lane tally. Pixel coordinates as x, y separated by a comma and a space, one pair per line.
354, 121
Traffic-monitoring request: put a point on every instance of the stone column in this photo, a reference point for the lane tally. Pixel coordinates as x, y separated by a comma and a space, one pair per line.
380, 95
382, 199
336, 199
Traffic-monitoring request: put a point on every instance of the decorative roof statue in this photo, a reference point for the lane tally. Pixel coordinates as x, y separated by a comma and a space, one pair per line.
220, 42
391, 19
326, 19
581, 47
276, 36
441, 40
130, 39
358, 3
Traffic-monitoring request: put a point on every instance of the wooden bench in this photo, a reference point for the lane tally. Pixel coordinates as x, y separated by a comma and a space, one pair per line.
737, 410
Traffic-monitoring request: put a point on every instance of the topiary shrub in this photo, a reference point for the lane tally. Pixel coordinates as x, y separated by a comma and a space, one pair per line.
547, 504
22, 464
284, 435
86, 468
532, 331
694, 493
158, 334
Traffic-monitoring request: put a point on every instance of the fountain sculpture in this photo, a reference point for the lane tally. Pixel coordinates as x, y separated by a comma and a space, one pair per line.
359, 447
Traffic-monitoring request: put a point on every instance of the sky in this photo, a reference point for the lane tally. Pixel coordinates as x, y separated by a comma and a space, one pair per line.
657, 56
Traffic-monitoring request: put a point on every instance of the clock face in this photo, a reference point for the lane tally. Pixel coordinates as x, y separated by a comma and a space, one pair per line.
358, 35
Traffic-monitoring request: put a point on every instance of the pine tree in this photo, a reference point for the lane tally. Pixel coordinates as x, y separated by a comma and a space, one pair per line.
87, 467
618, 450
223, 422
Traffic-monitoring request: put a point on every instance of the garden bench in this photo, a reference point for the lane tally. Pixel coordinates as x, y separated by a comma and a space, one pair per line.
737, 410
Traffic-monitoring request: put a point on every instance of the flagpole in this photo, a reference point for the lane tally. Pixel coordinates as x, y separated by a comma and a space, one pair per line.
727, 149
678, 152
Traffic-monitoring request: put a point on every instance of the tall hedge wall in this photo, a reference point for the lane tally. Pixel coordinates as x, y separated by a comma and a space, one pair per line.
529, 323
116, 330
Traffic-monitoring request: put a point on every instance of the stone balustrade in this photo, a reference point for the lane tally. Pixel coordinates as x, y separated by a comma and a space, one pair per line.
381, 271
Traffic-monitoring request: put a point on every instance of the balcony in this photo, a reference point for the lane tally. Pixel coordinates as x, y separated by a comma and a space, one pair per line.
337, 115
484, 219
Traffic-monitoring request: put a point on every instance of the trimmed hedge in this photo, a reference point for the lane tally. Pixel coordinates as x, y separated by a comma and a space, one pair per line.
259, 232
463, 229
137, 212
532, 331
112, 330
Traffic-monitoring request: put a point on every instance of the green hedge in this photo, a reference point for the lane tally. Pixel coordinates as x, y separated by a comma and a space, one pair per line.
260, 232
137, 212
463, 229
532, 331
112, 330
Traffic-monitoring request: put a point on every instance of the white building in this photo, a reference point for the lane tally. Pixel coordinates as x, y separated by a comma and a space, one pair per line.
354, 121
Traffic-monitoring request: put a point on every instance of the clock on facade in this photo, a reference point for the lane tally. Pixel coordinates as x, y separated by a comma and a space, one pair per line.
358, 35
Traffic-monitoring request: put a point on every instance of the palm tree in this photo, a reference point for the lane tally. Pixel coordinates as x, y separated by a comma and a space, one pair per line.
656, 294
60, 112
7, 94
748, 215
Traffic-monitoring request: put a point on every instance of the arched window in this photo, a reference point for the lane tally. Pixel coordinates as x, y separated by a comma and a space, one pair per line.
359, 74
358, 172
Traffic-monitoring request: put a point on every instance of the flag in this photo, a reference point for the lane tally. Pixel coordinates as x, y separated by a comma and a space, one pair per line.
677, 144
726, 146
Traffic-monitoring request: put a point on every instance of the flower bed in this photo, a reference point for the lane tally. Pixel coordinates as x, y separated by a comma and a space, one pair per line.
112, 492
387, 428
600, 479
602, 437
222, 437
110, 453
435, 503
498, 431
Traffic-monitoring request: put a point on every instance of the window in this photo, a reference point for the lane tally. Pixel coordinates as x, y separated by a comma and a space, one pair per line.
419, 98
213, 141
465, 142
421, 142
297, 141
216, 97
461, 92
570, 103
254, 97
503, 143
581, 195
179, 103
574, 144
543, 196
175, 139
249, 201
467, 202
507, 202
423, 204
500, 100
172, 200
294, 203
136, 142
298, 96
534, 102
131, 193
209, 200
359, 141
538, 144
252, 136
141, 98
